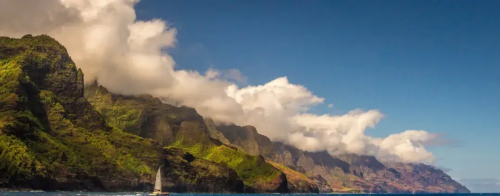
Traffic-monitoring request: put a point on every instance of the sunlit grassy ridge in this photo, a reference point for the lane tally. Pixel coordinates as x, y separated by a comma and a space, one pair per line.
248, 167
252, 169
290, 173
193, 137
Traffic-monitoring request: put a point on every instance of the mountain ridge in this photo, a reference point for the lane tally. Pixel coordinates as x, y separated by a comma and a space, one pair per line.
63, 128
364, 172
247, 139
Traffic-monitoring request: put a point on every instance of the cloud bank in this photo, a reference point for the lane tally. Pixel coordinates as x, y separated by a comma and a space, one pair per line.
129, 56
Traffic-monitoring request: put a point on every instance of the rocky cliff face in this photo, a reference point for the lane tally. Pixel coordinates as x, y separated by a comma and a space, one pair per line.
248, 139
344, 173
425, 178
52, 138
214, 133
356, 173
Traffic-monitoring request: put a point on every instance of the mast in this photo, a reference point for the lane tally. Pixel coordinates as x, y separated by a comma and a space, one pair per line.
158, 181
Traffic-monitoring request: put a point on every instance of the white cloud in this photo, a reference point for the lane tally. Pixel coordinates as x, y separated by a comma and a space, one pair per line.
409, 145
128, 56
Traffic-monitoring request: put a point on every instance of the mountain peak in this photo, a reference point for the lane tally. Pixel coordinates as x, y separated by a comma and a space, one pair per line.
41, 44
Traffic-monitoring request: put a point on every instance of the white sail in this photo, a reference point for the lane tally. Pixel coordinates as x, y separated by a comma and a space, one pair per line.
158, 181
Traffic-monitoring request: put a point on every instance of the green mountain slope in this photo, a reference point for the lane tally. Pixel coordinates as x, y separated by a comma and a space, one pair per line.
52, 138
184, 128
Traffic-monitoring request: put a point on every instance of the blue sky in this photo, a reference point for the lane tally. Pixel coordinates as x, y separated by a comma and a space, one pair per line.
431, 65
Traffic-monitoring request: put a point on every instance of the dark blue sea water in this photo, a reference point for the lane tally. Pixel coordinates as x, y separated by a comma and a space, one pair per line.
179, 194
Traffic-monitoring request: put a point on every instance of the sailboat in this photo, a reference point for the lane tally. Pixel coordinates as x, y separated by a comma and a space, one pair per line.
157, 190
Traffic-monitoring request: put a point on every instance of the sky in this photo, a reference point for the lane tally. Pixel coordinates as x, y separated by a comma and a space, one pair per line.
430, 65
409, 81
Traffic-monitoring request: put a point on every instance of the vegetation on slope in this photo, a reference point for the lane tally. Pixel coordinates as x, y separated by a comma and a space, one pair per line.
52, 138
41, 135
144, 116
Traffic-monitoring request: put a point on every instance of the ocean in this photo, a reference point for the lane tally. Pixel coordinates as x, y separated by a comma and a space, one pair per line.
193, 194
